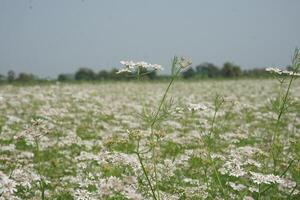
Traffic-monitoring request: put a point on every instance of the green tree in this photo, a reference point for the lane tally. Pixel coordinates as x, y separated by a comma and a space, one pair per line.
85, 74
24, 77
208, 70
62, 77
114, 76
152, 75
230, 70
11, 76
188, 73
2, 78
148, 74
103, 75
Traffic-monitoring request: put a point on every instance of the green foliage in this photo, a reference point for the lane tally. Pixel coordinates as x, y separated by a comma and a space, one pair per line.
188, 73
24, 77
11, 76
208, 70
231, 70
85, 74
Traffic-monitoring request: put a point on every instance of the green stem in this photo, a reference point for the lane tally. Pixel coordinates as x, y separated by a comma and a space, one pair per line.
276, 132
164, 97
213, 121
42, 188
285, 98
216, 174
152, 129
147, 177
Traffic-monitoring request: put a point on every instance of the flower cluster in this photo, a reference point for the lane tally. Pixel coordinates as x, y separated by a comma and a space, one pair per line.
184, 62
7, 186
130, 66
281, 72
197, 107
259, 178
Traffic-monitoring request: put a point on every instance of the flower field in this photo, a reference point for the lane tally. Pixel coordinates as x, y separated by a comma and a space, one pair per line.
211, 140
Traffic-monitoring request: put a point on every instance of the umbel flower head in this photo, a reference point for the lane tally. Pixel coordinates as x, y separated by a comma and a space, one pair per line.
130, 66
281, 72
184, 62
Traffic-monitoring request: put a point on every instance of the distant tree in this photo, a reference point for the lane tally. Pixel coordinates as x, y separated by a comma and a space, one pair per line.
103, 75
152, 75
188, 73
231, 70
11, 76
2, 78
148, 74
255, 73
24, 77
114, 76
85, 74
208, 70
62, 77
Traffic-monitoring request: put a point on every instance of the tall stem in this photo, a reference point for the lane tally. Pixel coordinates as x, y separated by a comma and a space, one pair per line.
146, 175
152, 130
276, 132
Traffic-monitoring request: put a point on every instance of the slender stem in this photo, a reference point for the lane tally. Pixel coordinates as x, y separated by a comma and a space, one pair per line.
138, 73
217, 174
259, 193
282, 108
164, 97
213, 121
152, 130
285, 97
217, 107
40, 168
147, 177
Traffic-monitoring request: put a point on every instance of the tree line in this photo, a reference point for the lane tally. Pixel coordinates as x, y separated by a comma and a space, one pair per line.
201, 71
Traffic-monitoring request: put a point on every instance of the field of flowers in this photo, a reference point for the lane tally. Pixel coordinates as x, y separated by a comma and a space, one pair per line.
211, 140
230, 139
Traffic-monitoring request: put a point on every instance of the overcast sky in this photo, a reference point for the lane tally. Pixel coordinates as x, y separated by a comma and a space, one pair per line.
58, 36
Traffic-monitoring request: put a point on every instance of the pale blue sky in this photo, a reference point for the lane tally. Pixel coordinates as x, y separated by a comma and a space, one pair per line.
47, 37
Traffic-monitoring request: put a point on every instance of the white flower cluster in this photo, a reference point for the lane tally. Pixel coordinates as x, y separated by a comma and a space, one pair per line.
197, 107
185, 62
259, 178
111, 185
7, 186
130, 66
237, 187
35, 130
281, 72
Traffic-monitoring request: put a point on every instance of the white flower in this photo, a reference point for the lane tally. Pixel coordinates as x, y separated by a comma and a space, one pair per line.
7, 186
123, 70
184, 62
82, 194
237, 187
196, 107
130, 66
157, 67
273, 69
280, 72
259, 178
253, 189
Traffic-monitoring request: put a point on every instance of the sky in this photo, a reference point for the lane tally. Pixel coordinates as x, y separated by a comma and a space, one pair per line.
49, 37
